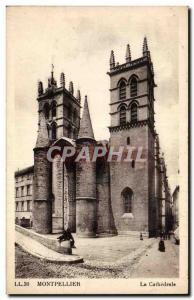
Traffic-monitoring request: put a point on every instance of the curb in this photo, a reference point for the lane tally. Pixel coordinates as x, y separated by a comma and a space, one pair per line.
74, 259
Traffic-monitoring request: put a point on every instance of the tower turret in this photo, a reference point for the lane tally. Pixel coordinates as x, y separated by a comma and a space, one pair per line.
40, 88
42, 204
62, 80
145, 47
71, 89
112, 60
86, 219
78, 97
128, 54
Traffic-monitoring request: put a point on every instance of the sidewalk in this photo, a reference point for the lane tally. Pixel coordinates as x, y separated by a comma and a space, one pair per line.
158, 264
36, 249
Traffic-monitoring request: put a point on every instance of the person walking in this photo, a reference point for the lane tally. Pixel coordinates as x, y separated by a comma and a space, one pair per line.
161, 246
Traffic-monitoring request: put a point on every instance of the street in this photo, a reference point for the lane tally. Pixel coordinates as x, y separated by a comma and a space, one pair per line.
113, 257
158, 264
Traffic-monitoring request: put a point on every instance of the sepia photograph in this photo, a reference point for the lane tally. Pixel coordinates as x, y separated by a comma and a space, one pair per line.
97, 124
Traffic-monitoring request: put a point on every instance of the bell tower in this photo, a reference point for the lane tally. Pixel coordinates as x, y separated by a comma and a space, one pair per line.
132, 124
60, 107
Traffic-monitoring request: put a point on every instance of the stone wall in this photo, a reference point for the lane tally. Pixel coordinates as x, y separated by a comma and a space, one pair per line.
42, 202
71, 197
86, 223
153, 205
123, 175
51, 243
58, 194
105, 220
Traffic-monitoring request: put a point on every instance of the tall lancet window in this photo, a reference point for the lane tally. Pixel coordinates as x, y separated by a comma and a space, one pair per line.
54, 109
133, 87
54, 131
122, 115
122, 90
74, 115
134, 112
127, 195
46, 111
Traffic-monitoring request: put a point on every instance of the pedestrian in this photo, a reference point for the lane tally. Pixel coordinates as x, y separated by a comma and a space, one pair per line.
62, 237
161, 246
67, 236
70, 238
141, 237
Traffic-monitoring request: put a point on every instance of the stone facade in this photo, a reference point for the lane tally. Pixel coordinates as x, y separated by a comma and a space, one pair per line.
175, 210
24, 196
101, 197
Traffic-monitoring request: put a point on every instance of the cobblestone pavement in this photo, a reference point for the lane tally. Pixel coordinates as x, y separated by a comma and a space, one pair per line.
115, 257
110, 250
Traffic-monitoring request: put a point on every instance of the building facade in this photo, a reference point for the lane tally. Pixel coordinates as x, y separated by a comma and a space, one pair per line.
100, 197
24, 196
175, 207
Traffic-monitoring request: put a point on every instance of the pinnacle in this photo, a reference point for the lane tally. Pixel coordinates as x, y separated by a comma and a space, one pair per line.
128, 54
86, 130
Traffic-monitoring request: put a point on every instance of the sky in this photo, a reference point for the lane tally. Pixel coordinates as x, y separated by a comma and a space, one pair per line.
78, 42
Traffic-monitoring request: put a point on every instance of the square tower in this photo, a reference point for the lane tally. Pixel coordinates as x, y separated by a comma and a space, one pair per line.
60, 107
132, 124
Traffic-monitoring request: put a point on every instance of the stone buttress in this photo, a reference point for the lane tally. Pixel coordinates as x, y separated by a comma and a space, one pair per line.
86, 221
42, 201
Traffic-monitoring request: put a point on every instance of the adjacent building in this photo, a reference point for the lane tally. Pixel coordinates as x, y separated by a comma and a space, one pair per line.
24, 196
175, 207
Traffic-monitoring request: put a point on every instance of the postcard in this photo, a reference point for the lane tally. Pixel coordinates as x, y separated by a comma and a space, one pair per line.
97, 150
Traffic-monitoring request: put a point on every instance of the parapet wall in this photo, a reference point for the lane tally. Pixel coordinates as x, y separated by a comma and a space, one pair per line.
48, 242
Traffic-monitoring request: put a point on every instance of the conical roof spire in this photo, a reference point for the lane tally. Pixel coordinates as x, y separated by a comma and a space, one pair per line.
128, 54
112, 60
86, 130
145, 46
43, 138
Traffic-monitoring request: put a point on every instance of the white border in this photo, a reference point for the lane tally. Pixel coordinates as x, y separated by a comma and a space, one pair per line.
3, 5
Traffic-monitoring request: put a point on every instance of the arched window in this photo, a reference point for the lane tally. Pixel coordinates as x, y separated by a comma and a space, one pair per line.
74, 115
46, 111
69, 113
128, 140
127, 196
133, 87
122, 115
134, 112
122, 90
54, 131
54, 109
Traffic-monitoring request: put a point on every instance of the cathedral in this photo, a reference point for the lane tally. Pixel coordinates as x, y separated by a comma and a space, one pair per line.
100, 198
